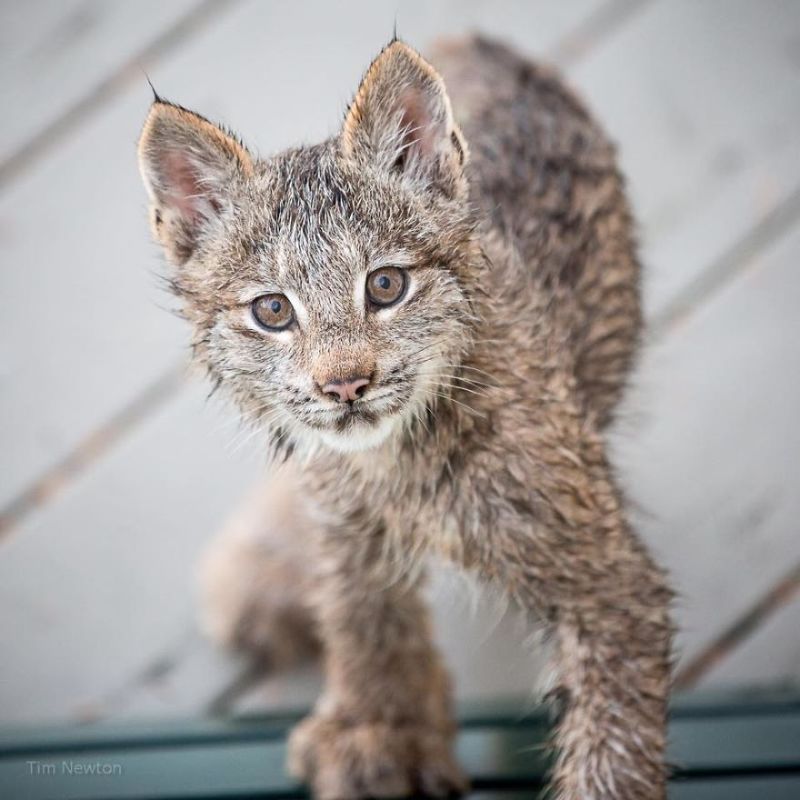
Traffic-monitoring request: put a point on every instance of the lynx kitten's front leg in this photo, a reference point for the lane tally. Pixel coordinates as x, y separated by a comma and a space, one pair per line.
563, 548
383, 726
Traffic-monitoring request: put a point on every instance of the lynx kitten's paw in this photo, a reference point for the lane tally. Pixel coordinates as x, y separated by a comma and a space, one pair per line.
351, 762
250, 600
254, 579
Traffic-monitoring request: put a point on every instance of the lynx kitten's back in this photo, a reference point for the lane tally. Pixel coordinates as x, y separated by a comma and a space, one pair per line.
545, 175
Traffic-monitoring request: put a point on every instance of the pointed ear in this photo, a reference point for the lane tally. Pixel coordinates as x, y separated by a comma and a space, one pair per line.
189, 168
401, 120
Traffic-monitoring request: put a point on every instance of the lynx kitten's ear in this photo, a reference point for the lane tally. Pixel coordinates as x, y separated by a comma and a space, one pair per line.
189, 168
402, 121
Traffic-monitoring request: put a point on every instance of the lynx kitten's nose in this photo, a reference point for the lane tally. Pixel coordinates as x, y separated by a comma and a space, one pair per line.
346, 391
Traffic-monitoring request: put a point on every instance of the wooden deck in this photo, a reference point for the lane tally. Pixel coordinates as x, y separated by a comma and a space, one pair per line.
115, 471
721, 747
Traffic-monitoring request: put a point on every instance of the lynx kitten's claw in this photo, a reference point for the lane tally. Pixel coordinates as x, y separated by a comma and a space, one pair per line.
354, 762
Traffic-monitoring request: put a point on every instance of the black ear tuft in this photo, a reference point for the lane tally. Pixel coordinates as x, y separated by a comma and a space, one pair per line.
156, 96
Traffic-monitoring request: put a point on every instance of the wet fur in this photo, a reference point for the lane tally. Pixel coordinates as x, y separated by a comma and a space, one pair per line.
500, 373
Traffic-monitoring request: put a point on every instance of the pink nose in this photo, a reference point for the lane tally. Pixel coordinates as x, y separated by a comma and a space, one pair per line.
346, 391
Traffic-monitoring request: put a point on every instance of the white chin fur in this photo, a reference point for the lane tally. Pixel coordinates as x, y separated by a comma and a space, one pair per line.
361, 438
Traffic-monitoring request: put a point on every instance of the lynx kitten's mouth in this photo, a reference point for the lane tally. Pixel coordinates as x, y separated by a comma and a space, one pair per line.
369, 421
359, 431
356, 417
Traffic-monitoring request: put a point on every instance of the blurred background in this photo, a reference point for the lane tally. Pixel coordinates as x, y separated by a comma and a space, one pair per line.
115, 471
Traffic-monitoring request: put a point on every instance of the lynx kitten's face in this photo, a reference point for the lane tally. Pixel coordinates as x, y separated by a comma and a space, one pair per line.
341, 314
326, 285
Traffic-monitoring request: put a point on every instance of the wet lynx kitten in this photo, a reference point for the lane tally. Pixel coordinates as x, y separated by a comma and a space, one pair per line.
432, 314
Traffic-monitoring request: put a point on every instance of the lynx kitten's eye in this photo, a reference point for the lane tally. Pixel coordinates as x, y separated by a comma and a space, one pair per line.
386, 286
273, 311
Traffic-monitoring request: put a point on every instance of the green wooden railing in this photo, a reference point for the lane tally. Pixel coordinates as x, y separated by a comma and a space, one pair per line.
723, 747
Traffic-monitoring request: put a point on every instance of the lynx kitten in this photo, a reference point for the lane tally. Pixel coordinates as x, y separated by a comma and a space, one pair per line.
432, 315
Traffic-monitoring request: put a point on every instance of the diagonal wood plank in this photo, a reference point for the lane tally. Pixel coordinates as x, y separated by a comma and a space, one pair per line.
770, 656
100, 585
53, 54
712, 465
737, 635
704, 101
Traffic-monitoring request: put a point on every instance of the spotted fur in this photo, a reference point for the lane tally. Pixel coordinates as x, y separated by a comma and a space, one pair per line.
480, 436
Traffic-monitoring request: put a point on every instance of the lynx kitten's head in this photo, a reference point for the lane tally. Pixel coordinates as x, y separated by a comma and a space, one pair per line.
328, 286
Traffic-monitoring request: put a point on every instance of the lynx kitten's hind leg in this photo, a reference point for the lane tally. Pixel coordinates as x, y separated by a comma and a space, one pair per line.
254, 580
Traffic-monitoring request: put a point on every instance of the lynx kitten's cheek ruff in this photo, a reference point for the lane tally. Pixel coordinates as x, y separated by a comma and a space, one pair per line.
431, 317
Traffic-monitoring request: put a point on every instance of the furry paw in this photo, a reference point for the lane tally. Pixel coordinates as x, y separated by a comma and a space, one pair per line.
254, 580
352, 762
251, 603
